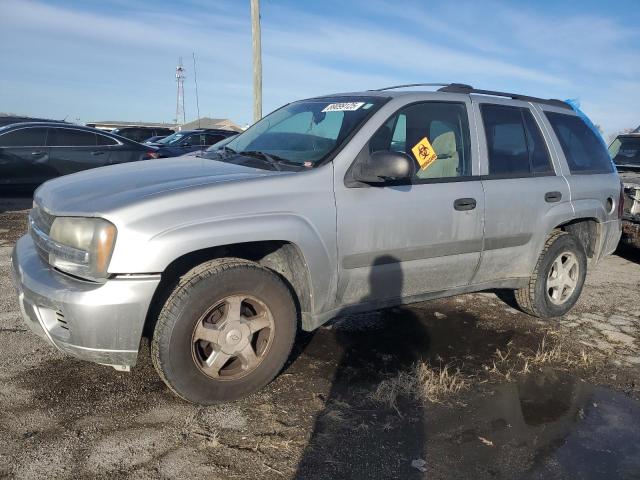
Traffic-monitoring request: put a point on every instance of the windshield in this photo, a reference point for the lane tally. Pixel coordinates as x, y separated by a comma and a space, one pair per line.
625, 151
305, 133
171, 139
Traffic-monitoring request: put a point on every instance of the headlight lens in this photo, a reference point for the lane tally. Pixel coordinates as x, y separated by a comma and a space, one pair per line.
82, 246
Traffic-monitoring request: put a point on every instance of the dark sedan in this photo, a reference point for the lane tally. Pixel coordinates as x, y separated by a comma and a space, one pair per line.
140, 134
187, 141
32, 153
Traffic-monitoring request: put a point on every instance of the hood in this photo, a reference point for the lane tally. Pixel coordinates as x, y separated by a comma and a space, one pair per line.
100, 190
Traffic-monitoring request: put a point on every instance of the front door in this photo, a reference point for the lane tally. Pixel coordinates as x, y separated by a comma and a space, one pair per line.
425, 235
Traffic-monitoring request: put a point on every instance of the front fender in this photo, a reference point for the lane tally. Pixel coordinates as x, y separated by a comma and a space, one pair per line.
155, 254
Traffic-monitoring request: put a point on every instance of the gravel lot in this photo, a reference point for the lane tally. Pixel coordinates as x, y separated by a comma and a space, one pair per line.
555, 399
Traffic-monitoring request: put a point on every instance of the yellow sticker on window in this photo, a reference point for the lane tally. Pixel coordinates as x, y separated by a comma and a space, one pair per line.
424, 153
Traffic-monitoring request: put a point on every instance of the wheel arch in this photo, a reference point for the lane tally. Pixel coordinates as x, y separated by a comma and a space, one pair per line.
283, 257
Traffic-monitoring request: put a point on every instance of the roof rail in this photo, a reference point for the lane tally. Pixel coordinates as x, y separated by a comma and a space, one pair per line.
444, 85
460, 88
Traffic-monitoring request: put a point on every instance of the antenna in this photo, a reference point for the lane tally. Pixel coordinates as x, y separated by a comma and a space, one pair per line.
180, 76
195, 79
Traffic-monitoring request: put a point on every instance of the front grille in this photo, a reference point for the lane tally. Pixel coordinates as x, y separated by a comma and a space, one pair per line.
42, 219
61, 321
39, 227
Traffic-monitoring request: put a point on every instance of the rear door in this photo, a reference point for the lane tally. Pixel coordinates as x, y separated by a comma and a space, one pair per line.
24, 157
73, 150
522, 188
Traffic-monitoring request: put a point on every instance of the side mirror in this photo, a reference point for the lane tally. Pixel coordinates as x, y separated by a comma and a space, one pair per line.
383, 166
186, 144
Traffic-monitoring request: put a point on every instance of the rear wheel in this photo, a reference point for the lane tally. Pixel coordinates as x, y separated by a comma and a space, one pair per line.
224, 332
558, 278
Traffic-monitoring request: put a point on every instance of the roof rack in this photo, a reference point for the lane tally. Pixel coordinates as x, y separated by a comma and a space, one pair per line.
420, 85
464, 88
461, 88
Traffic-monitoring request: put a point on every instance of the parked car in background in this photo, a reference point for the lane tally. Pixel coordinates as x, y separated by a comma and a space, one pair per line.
625, 152
187, 141
328, 206
155, 139
140, 134
211, 151
32, 153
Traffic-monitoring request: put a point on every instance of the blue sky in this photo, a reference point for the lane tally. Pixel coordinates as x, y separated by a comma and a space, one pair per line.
115, 59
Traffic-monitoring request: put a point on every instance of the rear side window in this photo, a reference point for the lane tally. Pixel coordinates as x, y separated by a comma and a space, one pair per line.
583, 150
515, 145
104, 140
67, 137
24, 137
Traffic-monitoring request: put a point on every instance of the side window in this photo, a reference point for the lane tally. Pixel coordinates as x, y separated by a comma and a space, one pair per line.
538, 152
445, 127
104, 140
24, 137
584, 152
506, 140
211, 139
67, 137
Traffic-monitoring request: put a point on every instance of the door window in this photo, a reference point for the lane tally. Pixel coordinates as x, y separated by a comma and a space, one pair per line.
515, 146
24, 137
104, 140
211, 139
584, 151
445, 127
67, 137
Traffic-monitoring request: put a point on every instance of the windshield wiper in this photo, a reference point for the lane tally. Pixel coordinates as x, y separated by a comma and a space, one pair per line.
271, 159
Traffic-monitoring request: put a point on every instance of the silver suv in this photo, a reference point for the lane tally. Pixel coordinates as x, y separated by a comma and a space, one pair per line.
327, 206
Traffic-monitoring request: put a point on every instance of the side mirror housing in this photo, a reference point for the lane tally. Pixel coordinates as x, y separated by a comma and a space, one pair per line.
383, 166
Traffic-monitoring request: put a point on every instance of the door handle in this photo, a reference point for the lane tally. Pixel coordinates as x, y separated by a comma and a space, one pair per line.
464, 204
97, 153
37, 152
552, 197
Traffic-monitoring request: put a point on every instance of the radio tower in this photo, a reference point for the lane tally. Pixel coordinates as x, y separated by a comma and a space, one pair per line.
180, 75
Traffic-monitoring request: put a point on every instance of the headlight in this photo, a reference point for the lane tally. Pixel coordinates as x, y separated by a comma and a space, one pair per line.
82, 246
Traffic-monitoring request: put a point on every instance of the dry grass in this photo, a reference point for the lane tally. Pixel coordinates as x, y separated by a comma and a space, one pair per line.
546, 354
422, 383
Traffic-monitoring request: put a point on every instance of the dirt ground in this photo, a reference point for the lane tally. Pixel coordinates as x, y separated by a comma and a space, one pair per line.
552, 399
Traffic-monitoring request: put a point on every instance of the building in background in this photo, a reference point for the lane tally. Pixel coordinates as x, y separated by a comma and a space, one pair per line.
205, 122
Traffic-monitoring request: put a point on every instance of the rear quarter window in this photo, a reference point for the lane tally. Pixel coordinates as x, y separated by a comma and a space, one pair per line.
584, 151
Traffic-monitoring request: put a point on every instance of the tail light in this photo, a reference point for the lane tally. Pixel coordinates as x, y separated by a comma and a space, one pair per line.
621, 201
150, 155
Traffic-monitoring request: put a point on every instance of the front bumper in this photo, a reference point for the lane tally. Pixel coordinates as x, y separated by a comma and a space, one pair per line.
99, 322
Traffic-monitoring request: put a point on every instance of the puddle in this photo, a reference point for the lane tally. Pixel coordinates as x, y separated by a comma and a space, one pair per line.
546, 425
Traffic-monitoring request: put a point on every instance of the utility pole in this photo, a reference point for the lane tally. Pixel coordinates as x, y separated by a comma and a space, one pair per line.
257, 60
180, 75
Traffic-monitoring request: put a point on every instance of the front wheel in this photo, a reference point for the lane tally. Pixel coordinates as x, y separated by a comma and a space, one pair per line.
224, 332
558, 278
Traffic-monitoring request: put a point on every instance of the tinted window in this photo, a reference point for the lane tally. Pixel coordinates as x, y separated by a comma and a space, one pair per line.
506, 140
211, 139
538, 152
445, 127
104, 140
24, 137
67, 137
584, 151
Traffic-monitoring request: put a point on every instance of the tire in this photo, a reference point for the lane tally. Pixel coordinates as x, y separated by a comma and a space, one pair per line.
537, 298
203, 301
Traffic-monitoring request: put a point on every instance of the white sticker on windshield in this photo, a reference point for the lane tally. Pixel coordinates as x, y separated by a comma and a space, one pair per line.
343, 107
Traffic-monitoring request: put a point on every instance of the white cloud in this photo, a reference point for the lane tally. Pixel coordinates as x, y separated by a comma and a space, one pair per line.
119, 63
